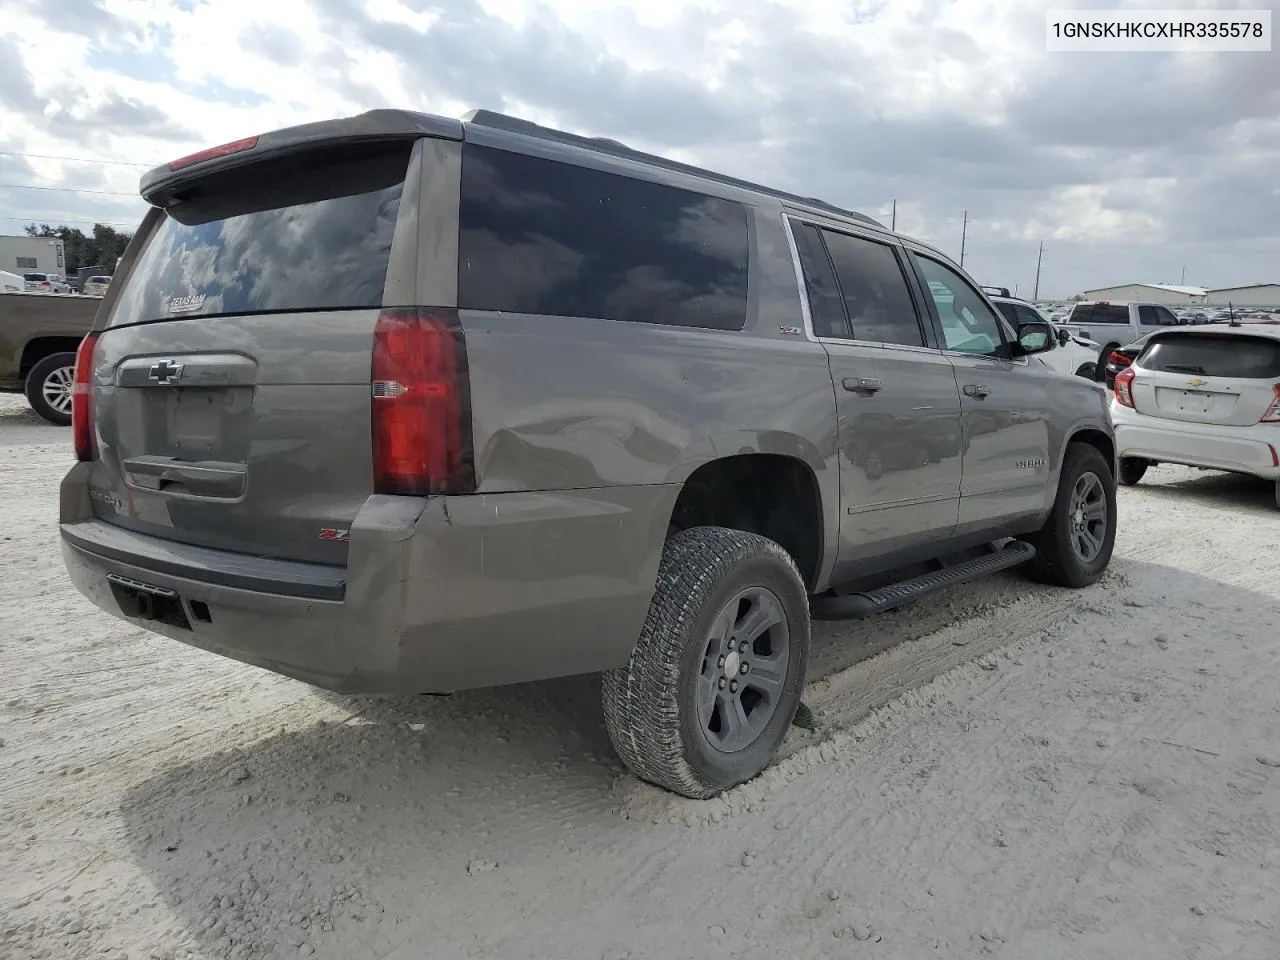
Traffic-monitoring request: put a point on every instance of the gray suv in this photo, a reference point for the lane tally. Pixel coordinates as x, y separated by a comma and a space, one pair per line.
400, 403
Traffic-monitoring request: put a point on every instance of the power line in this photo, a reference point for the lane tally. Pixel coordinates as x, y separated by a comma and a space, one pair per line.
46, 156
64, 220
104, 193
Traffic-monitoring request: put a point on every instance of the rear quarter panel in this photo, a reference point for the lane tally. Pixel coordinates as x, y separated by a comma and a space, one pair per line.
566, 403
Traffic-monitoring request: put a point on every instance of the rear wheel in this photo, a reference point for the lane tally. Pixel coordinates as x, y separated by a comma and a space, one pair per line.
1132, 470
1088, 370
48, 387
715, 678
1074, 546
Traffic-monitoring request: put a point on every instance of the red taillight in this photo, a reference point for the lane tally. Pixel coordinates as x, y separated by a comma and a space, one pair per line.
1119, 359
224, 150
82, 400
421, 404
1273, 412
1124, 386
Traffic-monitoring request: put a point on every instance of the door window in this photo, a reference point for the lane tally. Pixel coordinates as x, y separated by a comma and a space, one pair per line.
826, 308
968, 324
875, 291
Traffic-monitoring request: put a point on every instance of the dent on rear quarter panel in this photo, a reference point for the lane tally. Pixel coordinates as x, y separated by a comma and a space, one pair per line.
575, 404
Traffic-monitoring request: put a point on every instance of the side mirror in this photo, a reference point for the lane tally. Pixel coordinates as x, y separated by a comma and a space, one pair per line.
1064, 336
1034, 338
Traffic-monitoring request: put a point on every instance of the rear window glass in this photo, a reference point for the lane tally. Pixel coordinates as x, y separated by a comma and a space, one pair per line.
1100, 313
311, 234
33, 276
543, 237
1240, 357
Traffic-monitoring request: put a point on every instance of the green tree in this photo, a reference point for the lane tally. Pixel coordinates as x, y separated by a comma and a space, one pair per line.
102, 248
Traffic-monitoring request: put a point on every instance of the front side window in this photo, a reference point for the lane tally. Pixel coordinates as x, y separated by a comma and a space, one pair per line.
874, 290
968, 324
540, 236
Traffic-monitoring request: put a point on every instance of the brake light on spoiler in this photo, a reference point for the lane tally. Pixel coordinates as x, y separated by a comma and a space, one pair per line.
213, 153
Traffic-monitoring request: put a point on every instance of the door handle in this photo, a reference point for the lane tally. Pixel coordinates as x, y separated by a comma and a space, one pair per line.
866, 385
976, 390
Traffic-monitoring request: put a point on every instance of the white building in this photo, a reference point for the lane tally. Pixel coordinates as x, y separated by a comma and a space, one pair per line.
25, 254
1148, 293
1254, 295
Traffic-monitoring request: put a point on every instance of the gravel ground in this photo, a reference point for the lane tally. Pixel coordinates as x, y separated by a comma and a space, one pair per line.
1003, 770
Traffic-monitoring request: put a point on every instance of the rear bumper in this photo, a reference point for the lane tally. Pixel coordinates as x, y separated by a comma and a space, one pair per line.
1251, 450
438, 595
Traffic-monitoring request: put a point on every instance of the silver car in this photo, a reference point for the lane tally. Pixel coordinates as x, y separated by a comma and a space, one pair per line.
401, 403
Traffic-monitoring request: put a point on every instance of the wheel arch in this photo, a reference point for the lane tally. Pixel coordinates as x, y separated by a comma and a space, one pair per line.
775, 494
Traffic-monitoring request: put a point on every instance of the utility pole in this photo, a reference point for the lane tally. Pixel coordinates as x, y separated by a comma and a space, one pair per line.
964, 232
1183, 281
1035, 294
893, 224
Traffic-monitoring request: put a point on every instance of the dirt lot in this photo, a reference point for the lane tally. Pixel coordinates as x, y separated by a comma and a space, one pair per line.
1005, 770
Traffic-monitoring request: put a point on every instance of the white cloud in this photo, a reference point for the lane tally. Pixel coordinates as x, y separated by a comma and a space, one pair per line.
946, 104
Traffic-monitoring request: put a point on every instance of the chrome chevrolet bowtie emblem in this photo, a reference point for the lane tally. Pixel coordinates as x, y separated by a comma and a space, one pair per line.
166, 371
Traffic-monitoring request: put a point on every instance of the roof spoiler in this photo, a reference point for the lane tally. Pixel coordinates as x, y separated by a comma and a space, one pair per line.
162, 185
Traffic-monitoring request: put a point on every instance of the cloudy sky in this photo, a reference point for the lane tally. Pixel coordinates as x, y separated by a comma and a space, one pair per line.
1128, 166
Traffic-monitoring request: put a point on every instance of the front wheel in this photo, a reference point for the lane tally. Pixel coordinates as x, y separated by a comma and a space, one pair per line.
1132, 470
1100, 371
1074, 546
49, 387
715, 678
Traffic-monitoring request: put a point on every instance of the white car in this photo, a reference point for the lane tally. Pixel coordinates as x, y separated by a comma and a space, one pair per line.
45, 283
1071, 354
1204, 396
96, 286
11, 283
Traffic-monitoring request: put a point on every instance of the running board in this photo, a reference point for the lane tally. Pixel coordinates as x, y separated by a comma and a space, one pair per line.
855, 606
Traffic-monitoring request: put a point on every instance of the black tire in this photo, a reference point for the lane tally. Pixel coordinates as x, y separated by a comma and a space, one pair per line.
48, 387
1278, 494
1100, 372
1088, 370
651, 705
1132, 470
1057, 560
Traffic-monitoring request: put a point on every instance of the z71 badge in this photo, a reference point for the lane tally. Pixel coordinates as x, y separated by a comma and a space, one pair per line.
1035, 464
332, 533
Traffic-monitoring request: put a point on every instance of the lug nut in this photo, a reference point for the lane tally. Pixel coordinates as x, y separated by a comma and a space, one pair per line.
742, 647
733, 686
744, 668
721, 662
722, 683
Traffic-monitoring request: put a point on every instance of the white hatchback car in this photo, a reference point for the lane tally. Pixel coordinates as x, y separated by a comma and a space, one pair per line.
1204, 396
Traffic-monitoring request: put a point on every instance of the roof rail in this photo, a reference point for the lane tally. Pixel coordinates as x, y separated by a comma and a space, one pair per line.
501, 121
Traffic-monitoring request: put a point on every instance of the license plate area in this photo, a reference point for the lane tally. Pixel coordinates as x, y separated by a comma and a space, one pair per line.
1192, 402
197, 423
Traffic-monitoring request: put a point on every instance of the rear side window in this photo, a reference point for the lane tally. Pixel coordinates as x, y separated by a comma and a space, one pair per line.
1239, 357
543, 237
35, 277
1009, 310
310, 234
826, 307
875, 291
1101, 313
